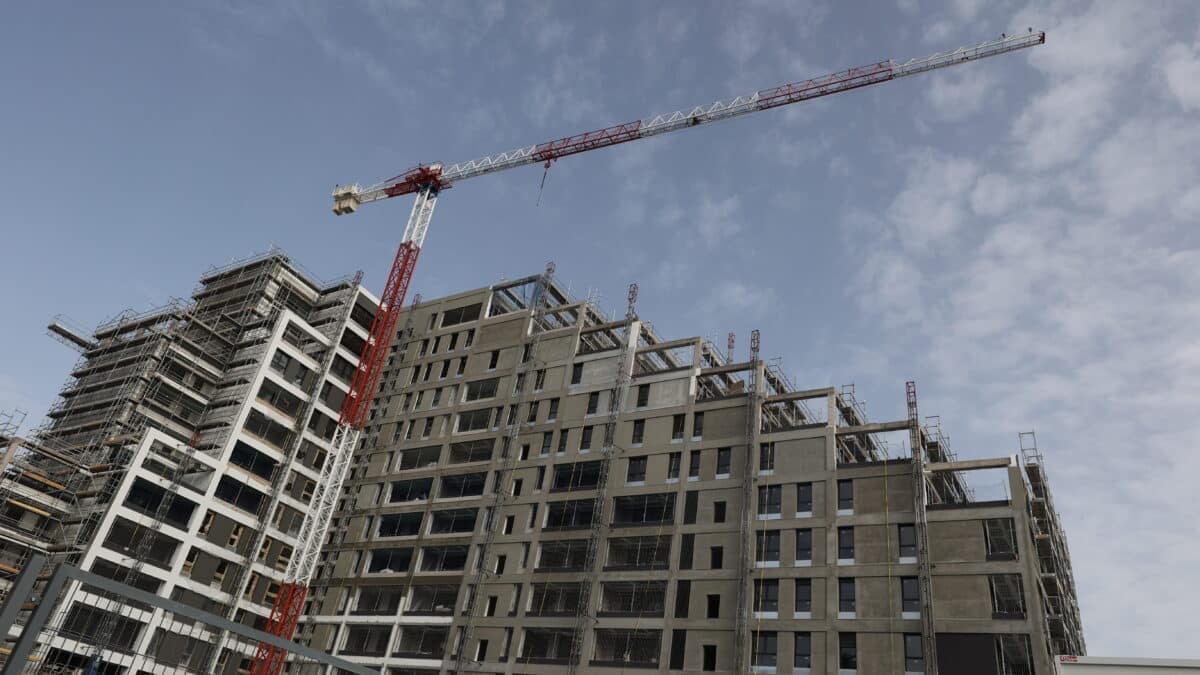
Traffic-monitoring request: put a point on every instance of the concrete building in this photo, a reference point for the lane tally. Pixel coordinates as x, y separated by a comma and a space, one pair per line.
180, 459
1107, 665
543, 489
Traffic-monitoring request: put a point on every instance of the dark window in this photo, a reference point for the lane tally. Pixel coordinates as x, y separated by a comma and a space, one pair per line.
481, 389
453, 317
803, 595
533, 411
802, 654
1001, 540
724, 461
643, 395
1008, 597
686, 549
710, 658
644, 509
908, 541
845, 543
718, 512
593, 403
576, 476
411, 490
577, 373
239, 494
419, 458
547, 440
453, 521
847, 651
637, 470
914, 659
714, 606
766, 548
553, 414
804, 544
390, 560
716, 557
400, 524
683, 596
846, 600
493, 360
572, 514
694, 464
585, 439
766, 595
444, 559
677, 422
804, 498
639, 431
673, 463
766, 457
252, 460
765, 648
910, 595
470, 420
539, 380
845, 488
697, 425
462, 485
690, 506
770, 499
678, 648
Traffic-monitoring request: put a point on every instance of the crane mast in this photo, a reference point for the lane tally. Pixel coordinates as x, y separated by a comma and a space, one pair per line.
426, 181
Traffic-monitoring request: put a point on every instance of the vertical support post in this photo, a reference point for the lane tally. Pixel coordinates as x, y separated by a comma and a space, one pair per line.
745, 592
924, 564
20, 590
33, 628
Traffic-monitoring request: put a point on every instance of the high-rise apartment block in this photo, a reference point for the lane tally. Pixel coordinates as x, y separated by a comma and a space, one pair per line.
540, 488
543, 489
180, 460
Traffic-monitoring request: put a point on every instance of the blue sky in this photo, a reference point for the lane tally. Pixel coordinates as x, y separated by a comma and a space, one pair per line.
1017, 235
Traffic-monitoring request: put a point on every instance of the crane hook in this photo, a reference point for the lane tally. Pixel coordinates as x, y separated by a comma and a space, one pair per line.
545, 172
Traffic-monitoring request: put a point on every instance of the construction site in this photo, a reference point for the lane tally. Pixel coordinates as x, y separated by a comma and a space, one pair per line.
281, 474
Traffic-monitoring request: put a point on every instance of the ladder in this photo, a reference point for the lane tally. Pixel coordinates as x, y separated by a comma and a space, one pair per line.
616, 397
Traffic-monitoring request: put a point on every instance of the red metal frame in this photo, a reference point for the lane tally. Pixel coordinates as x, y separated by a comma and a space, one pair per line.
845, 80
285, 613
588, 140
416, 178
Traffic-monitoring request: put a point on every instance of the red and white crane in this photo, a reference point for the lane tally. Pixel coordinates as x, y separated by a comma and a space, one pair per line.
426, 181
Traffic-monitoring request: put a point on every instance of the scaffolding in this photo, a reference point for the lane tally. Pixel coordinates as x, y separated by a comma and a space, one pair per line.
526, 363
921, 527
184, 369
1056, 578
749, 481
623, 376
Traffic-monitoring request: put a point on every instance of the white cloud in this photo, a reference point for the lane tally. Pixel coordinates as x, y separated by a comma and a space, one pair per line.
1181, 68
738, 298
717, 220
932, 205
956, 95
1073, 305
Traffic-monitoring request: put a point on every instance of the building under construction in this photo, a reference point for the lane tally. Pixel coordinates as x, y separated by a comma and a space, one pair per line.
542, 488
180, 460
539, 488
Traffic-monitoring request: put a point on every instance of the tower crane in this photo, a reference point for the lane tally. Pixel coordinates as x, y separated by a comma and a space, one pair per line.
427, 181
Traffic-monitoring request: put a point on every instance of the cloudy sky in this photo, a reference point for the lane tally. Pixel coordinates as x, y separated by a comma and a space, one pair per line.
1017, 235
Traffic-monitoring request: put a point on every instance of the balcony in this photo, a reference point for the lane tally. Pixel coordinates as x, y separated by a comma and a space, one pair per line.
547, 646
639, 553
555, 600
633, 598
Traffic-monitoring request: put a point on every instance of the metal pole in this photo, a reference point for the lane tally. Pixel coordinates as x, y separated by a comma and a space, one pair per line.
21, 588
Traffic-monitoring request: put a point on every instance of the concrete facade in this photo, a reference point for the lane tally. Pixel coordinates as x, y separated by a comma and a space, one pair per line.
184, 451
829, 578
